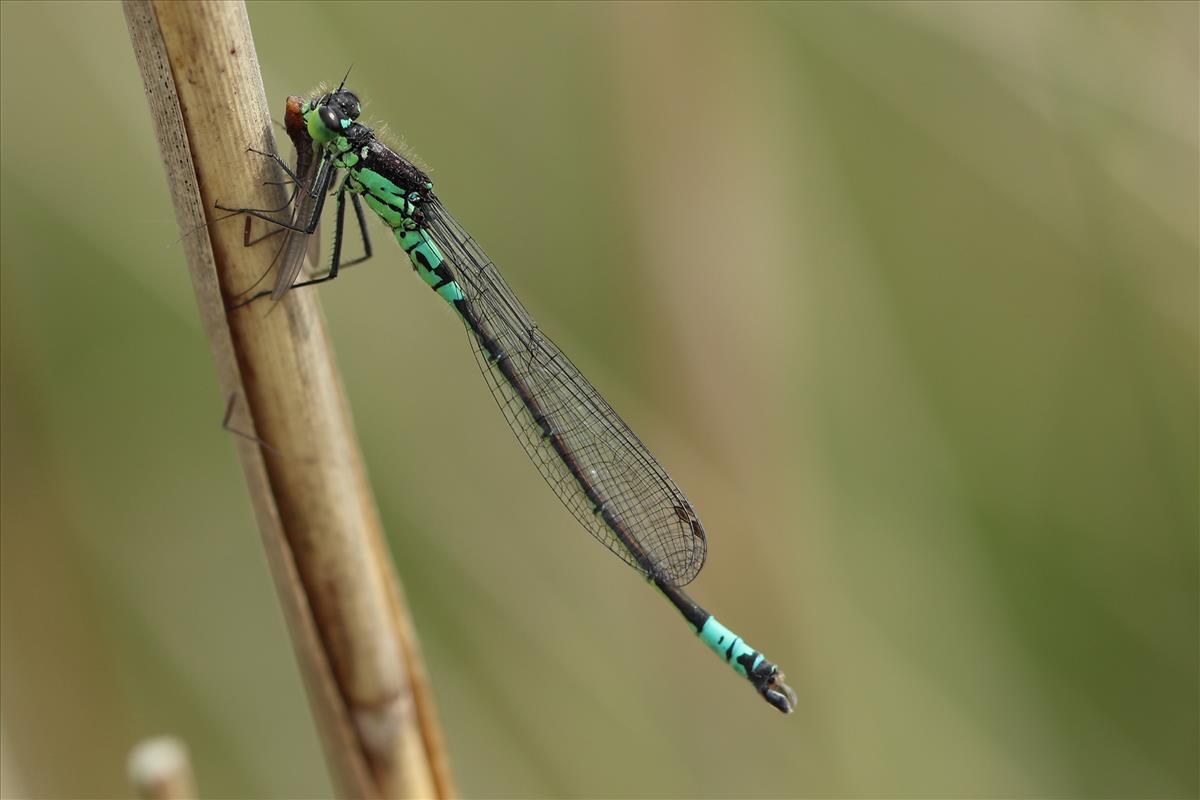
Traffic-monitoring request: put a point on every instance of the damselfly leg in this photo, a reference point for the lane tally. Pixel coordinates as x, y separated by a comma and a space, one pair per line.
308, 200
315, 193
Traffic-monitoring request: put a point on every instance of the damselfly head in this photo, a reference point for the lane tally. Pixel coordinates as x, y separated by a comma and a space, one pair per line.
342, 104
335, 112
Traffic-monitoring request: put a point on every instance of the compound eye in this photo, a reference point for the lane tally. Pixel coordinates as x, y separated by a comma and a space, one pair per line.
330, 118
348, 102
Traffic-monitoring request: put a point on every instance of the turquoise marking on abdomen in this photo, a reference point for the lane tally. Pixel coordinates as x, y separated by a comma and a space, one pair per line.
729, 646
423, 250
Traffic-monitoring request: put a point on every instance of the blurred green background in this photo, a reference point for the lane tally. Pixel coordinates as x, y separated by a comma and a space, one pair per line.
905, 296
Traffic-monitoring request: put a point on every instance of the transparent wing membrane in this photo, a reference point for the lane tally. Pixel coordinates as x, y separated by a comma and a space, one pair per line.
596, 465
298, 247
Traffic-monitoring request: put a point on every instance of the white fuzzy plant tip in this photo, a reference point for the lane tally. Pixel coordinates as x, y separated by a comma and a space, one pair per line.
160, 769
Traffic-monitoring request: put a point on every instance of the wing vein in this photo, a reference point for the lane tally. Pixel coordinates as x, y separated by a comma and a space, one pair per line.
605, 475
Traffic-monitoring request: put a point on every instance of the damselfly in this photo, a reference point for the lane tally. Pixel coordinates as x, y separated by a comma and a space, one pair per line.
597, 466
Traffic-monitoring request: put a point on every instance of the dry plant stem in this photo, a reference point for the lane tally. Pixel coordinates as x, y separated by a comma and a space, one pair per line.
160, 769
324, 542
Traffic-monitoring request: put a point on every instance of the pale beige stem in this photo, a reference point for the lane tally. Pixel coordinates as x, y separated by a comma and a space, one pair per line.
322, 534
